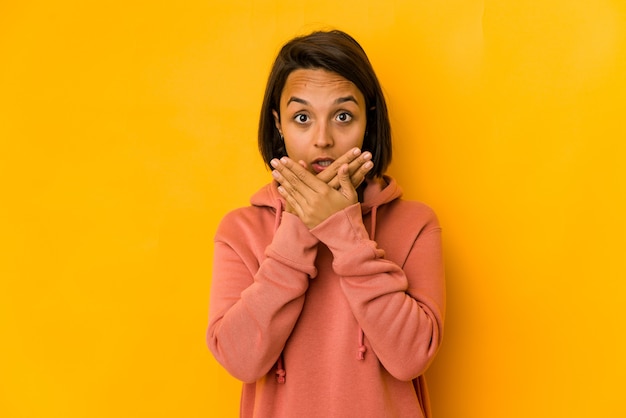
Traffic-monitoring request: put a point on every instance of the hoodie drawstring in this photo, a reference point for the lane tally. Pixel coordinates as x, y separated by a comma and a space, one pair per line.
280, 370
360, 355
362, 349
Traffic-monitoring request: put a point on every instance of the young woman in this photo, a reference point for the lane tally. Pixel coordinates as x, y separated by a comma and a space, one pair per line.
327, 297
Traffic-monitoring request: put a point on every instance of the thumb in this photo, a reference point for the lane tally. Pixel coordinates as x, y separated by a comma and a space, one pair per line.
345, 183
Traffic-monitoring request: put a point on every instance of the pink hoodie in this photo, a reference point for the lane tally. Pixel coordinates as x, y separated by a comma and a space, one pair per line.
338, 321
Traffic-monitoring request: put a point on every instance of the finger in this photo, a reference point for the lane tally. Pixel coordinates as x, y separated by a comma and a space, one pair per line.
346, 188
331, 171
297, 176
296, 192
289, 207
359, 176
291, 203
293, 198
357, 169
284, 176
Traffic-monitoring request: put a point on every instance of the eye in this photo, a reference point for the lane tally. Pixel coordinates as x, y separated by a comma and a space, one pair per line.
301, 118
344, 117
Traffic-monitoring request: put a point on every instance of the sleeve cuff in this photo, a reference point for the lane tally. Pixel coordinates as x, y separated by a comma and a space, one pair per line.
344, 232
294, 245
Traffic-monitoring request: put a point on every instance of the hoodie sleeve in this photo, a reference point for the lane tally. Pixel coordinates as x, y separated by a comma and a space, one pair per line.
399, 309
257, 293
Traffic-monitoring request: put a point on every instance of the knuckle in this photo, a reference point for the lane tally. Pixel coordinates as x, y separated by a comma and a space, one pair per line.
292, 177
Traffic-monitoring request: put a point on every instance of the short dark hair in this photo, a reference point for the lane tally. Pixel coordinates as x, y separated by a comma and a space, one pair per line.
337, 52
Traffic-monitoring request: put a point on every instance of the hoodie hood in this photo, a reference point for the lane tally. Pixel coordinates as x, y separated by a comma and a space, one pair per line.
378, 191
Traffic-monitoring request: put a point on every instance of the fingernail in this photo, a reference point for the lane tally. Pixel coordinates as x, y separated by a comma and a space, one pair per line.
367, 155
368, 164
275, 174
283, 160
356, 151
274, 163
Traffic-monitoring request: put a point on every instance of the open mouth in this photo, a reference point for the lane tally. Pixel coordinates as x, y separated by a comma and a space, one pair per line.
321, 164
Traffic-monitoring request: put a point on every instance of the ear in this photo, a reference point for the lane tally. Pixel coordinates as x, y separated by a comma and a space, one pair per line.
277, 122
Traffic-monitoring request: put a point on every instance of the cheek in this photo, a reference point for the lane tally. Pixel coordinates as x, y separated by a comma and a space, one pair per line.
357, 136
294, 142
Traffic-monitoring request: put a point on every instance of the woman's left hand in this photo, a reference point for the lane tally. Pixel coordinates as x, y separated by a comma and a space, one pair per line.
308, 197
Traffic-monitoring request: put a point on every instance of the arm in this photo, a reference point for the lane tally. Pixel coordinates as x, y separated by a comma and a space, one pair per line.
399, 309
253, 306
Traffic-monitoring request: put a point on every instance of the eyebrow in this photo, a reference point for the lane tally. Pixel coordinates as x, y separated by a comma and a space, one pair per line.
340, 100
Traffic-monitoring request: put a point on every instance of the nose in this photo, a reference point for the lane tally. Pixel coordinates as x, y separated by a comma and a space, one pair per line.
323, 136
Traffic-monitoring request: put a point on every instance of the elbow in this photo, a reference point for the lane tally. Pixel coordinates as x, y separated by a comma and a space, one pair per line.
409, 371
239, 365
245, 376
417, 359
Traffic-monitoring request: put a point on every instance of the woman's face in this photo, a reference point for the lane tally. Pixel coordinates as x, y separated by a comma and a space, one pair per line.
322, 116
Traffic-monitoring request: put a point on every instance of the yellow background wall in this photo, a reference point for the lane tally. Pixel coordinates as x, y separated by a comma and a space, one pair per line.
127, 131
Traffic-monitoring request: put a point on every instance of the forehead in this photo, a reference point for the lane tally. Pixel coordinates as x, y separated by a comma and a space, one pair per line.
318, 83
